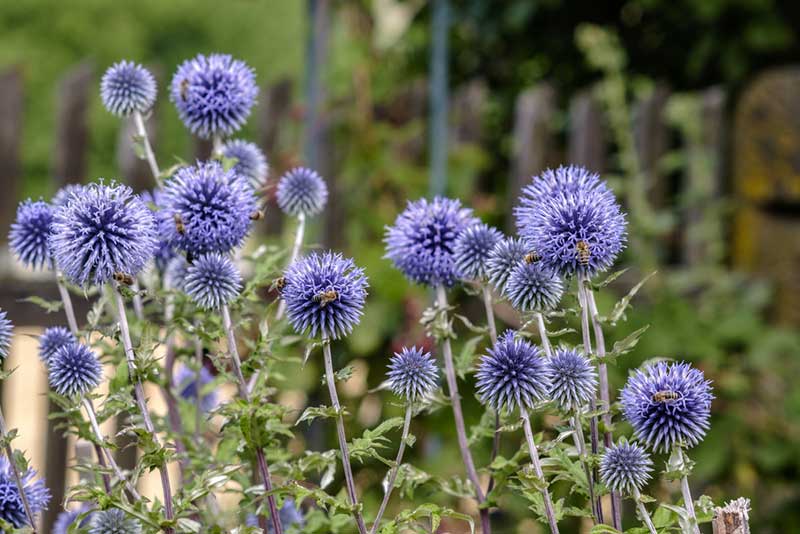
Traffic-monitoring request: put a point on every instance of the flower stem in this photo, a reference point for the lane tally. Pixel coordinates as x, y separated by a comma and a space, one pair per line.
100, 439
69, 311
580, 444
198, 358
17, 478
537, 468
141, 131
488, 305
458, 416
216, 146
688, 502
298, 243
263, 467
138, 308
548, 349
643, 511
393, 474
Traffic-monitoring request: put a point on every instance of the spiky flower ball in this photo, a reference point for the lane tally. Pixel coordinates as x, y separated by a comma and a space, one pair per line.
250, 161
189, 383
533, 287
576, 229
6, 333
30, 234
472, 249
126, 88
301, 191
102, 231
565, 179
11, 508
212, 281
512, 375
506, 254
74, 370
114, 521
668, 404
53, 339
214, 94
625, 468
164, 251
412, 374
206, 209
69, 517
65, 194
573, 380
324, 294
422, 240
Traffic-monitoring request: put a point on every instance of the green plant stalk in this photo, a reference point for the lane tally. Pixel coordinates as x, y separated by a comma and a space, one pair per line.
393, 474
488, 305
98, 435
141, 131
537, 468
69, 311
15, 472
643, 511
688, 502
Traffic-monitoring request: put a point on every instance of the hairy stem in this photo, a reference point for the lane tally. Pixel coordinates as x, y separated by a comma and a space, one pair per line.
580, 444
141, 131
488, 305
198, 358
537, 468
15, 472
298, 243
393, 474
643, 511
548, 349
138, 307
348, 471
688, 502
69, 311
98, 435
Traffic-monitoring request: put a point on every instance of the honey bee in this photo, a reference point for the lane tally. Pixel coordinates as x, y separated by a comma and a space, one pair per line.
184, 88
123, 278
279, 283
326, 297
665, 396
582, 248
532, 257
257, 215
179, 224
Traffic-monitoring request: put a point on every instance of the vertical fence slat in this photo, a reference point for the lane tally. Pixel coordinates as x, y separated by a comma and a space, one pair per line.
274, 113
587, 133
71, 150
651, 138
10, 139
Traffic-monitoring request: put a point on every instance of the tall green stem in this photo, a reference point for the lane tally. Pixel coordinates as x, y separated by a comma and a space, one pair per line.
643, 511
15, 472
141, 131
393, 473
537, 468
98, 435
688, 502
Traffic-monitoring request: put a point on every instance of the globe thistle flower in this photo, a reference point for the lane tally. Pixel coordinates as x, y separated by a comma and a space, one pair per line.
74, 370
668, 404
573, 380
164, 252
102, 231
65, 194
301, 191
187, 383
114, 521
324, 294
578, 229
472, 249
206, 209
175, 273
30, 233
11, 508
69, 517
127, 88
570, 179
250, 161
213, 94
6, 332
512, 374
506, 254
53, 339
212, 281
625, 468
412, 374
422, 240
533, 287
289, 515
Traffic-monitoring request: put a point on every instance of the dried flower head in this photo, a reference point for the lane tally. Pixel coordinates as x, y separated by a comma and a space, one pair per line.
52, 339
189, 383
573, 380
533, 287
30, 234
114, 521
412, 374
472, 249
6, 333
302, 191
324, 294
212, 280
506, 254
127, 87
250, 161
11, 507
668, 404
625, 467
74, 370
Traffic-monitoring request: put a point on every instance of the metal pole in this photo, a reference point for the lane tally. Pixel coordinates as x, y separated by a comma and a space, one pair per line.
440, 25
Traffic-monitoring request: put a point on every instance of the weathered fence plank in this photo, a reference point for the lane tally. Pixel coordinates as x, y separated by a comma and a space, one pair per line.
10, 138
71, 150
273, 117
587, 144
651, 139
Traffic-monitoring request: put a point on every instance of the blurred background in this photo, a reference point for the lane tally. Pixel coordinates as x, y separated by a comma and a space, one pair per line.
691, 109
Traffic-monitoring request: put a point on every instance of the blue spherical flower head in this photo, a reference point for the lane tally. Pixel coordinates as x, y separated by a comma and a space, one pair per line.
512, 375
206, 209
102, 231
155, 200
533, 287
212, 281
324, 295
301, 191
53, 339
214, 94
412, 374
422, 241
11, 507
74, 370
30, 234
65, 194
625, 468
571, 179
573, 380
187, 383
506, 254
472, 250
67, 518
250, 161
127, 88
6, 333
668, 404
114, 521
289, 515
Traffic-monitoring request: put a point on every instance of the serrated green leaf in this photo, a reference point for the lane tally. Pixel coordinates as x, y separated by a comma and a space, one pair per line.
49, 306
624, 302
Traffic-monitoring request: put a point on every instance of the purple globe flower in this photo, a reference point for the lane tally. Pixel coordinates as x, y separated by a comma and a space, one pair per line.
302, 191
573, 380
52, 339
175, 273
250, 161
6, 333
533, 287
576, 229
127, 88
187, 383
571, 179
30, 234
472, 250
212, 281
69, 517
164, 251
214, 94
422, 241
74, 370
668, 404
506, 254
625, 468
289, 515
102, 231
65, 194
324, 294
412, 374
11, 507
114, 521
512, 375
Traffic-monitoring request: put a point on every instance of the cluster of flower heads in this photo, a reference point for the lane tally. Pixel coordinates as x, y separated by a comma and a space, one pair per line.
127, 88
472, 250
6, 332
52, 339
412, 374
573, 380
301, 191
74, 370
533, 287
625, 467
212, 281
504, 257
30, 234
250, 161
11, 508
190, 383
